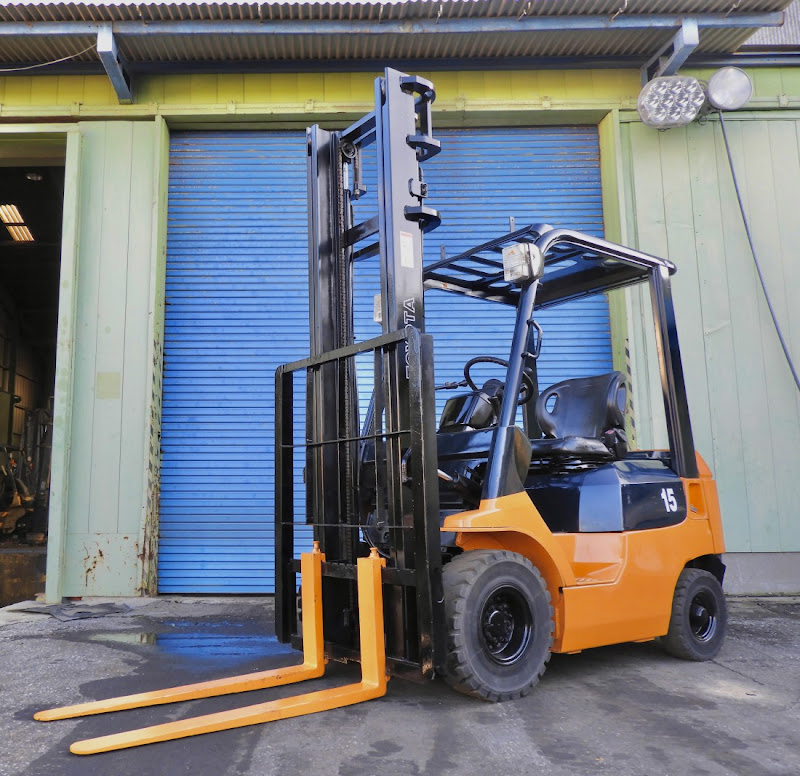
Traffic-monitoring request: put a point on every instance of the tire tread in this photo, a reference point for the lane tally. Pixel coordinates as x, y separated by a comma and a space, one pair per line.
677, 641
459, 576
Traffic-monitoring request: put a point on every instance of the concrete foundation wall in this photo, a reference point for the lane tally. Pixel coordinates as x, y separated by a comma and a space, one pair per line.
762, 573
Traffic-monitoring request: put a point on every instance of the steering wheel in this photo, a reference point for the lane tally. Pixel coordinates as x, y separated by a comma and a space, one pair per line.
526, 392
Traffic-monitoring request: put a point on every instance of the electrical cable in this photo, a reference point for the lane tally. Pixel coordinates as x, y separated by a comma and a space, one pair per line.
45, 64
786, 352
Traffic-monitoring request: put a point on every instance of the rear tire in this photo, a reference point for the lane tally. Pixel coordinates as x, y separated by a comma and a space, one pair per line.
699, 617
500, 624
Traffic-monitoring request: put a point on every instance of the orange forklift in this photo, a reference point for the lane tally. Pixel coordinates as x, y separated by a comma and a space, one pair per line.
517, 524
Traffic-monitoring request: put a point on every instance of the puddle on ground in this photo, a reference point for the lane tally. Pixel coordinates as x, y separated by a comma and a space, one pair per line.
214, 641
124, 638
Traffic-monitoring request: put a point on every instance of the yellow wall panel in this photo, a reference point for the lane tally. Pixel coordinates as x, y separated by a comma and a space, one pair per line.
621, 83
524, 85
790, 81
254, 93
18, 90
283, 88
767, 83
310, 86
553, 84
70, 89
772, 87
176, 89
499, 85
579, 84
149, 90
203, 89
337, 87
230, 87
44, 90
256, 87
472, 86
446, 85
98, 92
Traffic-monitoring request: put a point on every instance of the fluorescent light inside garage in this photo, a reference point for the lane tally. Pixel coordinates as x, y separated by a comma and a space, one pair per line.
15, 224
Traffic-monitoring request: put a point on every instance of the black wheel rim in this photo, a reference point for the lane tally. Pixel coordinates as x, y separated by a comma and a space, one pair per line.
506, 625
703, 618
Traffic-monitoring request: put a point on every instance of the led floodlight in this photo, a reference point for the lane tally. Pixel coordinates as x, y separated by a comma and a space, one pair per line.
670, 101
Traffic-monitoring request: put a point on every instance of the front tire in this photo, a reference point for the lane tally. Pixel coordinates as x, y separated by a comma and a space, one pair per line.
500, 624
699, 617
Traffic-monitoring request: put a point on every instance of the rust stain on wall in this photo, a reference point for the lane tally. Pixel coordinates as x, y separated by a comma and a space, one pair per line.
148, 552
90, 563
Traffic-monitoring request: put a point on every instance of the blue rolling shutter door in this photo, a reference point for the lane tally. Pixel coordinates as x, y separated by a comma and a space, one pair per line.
481, 179
237, 307
545, 174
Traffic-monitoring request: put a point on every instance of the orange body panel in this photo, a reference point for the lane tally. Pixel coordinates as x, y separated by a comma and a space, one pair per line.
606, 588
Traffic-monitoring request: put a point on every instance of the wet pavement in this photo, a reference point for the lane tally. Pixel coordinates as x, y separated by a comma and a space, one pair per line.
628, 710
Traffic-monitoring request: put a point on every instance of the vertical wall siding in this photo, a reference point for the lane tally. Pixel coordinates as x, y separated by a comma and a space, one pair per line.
105, 490
745, 408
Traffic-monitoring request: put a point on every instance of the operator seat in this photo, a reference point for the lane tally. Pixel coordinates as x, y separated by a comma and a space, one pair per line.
474, 410
583, 419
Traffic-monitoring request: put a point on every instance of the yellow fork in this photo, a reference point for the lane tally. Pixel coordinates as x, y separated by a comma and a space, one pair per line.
372, 684
313, 664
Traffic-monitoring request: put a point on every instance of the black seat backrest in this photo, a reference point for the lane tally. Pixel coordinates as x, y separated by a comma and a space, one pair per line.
583, 407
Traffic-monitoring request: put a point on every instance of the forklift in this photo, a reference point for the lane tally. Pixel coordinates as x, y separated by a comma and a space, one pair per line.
474, 545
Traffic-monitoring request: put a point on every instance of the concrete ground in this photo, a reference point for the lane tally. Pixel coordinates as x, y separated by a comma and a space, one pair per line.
628, 710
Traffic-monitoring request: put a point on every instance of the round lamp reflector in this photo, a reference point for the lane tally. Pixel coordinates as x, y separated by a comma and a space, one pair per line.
729, 88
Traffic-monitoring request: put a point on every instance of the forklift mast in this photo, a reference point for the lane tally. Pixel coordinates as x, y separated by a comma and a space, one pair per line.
401, 428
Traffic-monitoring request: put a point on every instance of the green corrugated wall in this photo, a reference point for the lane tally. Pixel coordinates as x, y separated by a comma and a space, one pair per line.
107, 500
680, 202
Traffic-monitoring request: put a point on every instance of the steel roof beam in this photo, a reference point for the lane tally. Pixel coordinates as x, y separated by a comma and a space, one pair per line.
405, 27
192, 67
113, 64
669, 59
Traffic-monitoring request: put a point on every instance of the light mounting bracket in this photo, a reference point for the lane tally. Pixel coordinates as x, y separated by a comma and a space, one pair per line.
114, 64
671, 56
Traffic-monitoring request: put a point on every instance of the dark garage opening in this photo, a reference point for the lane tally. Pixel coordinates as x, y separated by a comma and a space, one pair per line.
31, 205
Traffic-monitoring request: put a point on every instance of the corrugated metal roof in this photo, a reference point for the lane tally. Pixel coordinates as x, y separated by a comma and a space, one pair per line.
394, 9
786, 36
231, 49
164, 46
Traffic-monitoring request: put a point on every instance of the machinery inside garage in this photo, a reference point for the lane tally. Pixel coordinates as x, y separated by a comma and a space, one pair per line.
31, 201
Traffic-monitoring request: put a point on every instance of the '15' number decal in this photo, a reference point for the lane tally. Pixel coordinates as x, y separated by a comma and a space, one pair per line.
668, 497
